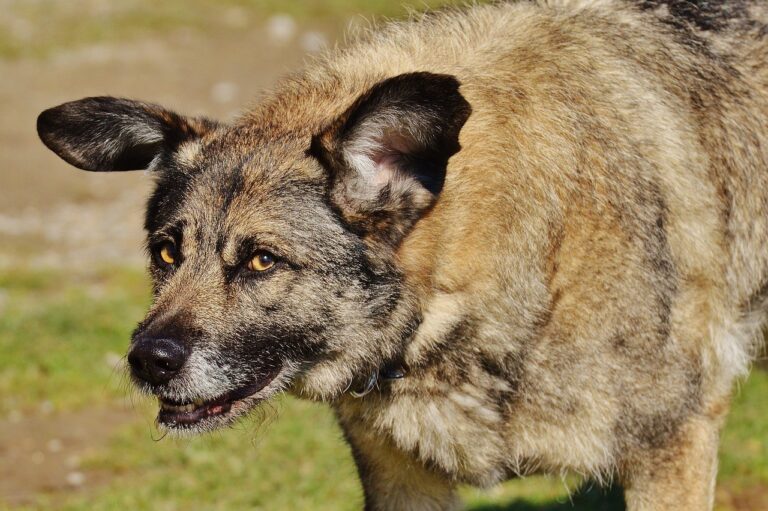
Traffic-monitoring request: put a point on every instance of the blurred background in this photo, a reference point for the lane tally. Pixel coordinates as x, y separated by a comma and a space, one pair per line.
72, 283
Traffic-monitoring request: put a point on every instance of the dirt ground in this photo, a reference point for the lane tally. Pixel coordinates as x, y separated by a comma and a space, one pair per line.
52, 215
43, 454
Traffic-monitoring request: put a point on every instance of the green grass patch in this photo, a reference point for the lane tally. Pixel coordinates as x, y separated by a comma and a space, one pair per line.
61, 334
744, 445
296, 462
36, 29
57, 329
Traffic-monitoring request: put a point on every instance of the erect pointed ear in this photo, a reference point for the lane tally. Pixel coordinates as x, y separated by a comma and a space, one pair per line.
387, 154
105, 134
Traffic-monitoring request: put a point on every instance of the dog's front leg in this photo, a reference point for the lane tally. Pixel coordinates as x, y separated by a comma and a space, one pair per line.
394, 481
678, 476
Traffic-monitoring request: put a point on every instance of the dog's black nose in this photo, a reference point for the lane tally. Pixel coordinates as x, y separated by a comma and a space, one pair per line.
157, 360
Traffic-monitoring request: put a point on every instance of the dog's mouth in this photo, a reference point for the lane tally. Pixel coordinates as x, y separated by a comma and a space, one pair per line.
202, 414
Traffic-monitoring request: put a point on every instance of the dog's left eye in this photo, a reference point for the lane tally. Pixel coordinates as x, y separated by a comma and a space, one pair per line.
262, 261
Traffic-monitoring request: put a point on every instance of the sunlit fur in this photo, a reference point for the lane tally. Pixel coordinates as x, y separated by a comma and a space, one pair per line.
579, 294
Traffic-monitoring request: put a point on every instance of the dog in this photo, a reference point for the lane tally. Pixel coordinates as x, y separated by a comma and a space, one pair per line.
498, 240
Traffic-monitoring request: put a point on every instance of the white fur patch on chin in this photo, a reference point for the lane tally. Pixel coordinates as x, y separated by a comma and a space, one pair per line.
203, 377
239, 409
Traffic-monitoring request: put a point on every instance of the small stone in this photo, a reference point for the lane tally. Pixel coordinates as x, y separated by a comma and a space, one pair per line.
22, 29
54, 445
313, 42
47, 407
281, 28
75, 478
224, 92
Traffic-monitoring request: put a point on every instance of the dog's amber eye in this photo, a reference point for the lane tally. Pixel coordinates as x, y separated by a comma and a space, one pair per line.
167, 253
261, 261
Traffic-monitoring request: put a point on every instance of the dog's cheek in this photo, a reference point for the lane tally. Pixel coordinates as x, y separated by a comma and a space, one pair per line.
283, 332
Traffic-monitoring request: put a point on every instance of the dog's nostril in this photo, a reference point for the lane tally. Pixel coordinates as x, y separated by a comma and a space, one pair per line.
156, 361
134, 360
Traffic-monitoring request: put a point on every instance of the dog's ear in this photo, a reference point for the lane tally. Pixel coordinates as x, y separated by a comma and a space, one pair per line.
107, 134
387, 154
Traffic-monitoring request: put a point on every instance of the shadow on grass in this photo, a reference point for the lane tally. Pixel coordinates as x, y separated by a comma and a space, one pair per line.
589, 499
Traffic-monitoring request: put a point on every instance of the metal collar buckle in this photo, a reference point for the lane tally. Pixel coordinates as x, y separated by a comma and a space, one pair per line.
387, 373
370, 384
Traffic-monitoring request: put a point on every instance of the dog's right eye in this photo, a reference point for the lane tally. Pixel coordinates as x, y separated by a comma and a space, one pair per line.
166, 254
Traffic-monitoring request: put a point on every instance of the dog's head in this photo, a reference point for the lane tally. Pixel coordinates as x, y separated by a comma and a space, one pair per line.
273, 257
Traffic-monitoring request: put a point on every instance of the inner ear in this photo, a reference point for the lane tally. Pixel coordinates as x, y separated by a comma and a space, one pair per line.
388, 153
114, 134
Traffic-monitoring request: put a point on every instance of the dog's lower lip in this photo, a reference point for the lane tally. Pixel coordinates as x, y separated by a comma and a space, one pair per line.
174, 415
179, 414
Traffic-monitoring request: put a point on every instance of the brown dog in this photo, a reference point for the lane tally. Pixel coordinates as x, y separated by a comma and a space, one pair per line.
529, 236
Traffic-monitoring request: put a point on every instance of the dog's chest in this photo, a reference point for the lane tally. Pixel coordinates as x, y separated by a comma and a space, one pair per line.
458, 431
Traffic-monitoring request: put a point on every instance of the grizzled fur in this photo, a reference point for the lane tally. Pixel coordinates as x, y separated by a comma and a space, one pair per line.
551, 215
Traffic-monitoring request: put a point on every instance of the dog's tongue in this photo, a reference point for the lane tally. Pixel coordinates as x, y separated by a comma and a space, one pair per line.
216, 409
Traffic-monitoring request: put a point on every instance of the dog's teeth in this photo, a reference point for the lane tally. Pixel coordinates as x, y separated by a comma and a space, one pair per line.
191, 407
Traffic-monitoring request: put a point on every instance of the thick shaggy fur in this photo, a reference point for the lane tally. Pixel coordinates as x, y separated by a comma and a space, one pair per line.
552, 215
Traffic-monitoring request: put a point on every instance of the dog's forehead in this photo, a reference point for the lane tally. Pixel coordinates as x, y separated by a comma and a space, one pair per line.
247, 162
253, 159
238, 183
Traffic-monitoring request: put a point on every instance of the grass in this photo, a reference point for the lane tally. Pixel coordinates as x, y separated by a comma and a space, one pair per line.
59, 332
60, 335
37, 29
